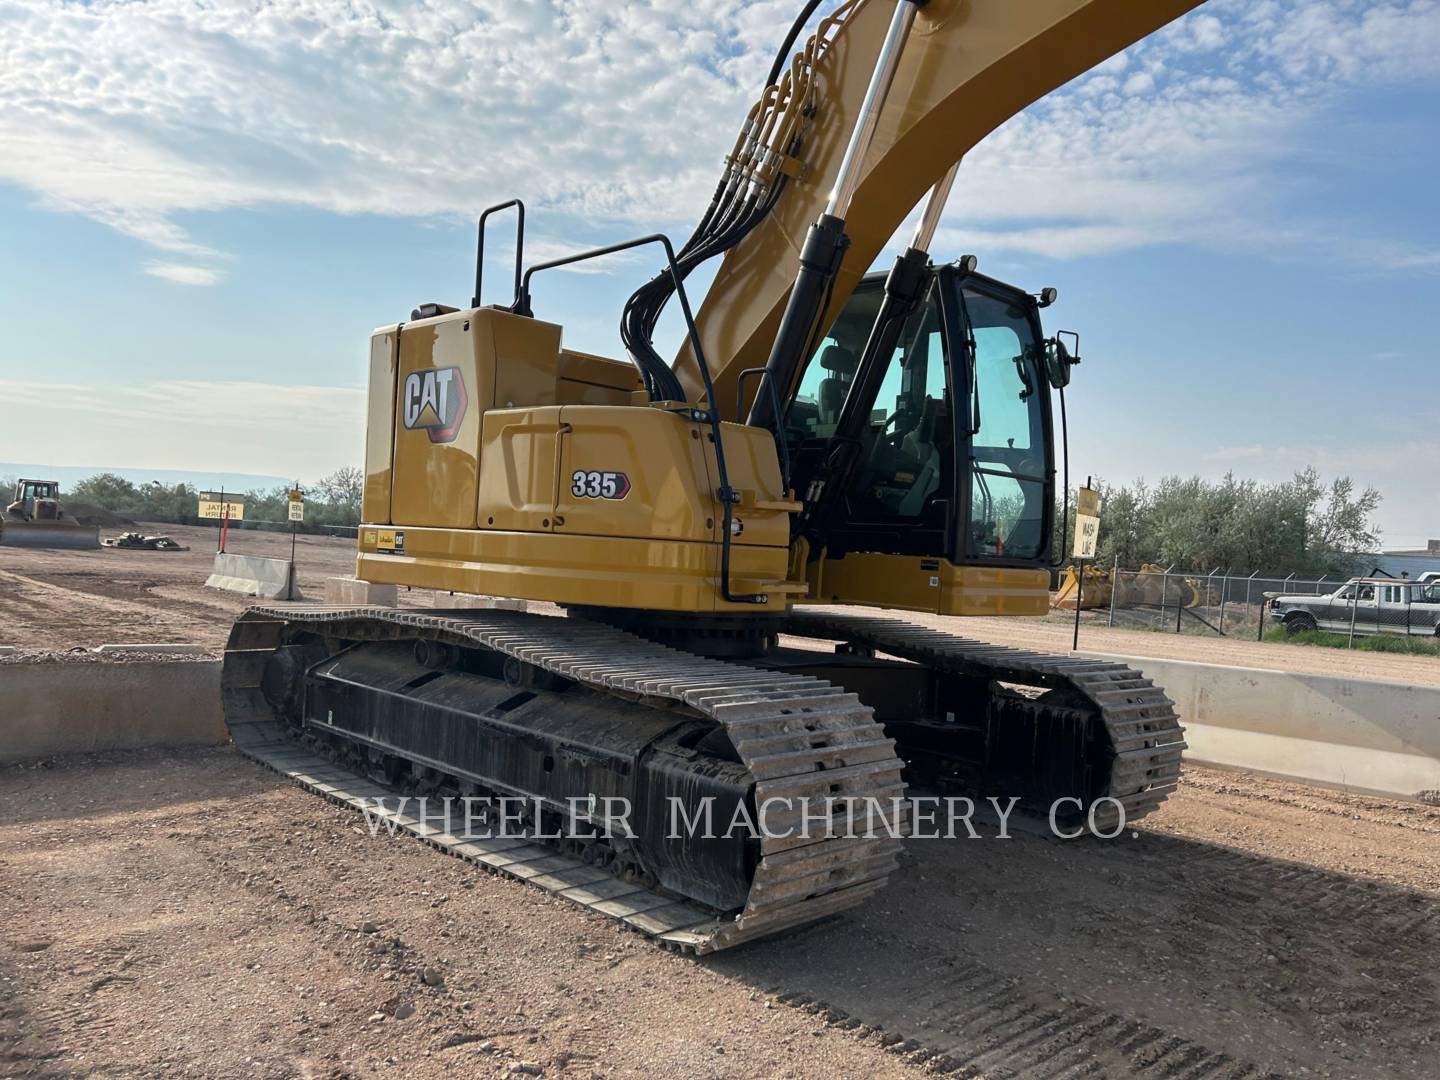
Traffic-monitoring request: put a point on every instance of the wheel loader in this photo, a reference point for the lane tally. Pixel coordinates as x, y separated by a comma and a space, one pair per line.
35, 517
697, 530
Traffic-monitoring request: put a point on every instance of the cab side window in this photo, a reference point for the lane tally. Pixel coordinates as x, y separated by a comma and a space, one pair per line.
909, 451
1009, 463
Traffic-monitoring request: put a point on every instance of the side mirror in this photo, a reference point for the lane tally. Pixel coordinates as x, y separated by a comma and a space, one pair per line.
1059, 358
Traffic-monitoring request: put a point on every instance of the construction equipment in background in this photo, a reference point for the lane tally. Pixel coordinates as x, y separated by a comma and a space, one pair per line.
825, 437
1096, 593
1150, 586
139, 541
36, 518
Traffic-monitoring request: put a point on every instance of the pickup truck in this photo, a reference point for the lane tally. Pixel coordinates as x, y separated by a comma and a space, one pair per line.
1369, 605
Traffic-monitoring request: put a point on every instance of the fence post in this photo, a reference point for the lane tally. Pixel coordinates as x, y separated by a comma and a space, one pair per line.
1164, 588
1260, 623
1179, 604
1224, 595
1354, 610
1114, 582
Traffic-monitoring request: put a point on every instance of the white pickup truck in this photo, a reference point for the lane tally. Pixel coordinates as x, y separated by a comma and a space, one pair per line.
1368, 605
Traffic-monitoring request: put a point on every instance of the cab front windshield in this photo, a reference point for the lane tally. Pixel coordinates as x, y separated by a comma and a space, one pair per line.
914, 439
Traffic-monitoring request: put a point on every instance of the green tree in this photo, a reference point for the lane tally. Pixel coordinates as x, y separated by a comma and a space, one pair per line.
343, 489
108, 492
1303, 525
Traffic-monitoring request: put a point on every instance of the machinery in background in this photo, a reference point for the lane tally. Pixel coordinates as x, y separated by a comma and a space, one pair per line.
36, 518
1150, 586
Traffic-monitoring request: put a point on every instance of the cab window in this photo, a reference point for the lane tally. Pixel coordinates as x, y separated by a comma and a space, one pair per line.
1009, 465
909, 460
831, 368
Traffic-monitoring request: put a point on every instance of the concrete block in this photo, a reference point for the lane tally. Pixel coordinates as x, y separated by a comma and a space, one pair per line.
267, 579
85, 707
349, 591
6, 650
470, 602
1358, 734
166, 648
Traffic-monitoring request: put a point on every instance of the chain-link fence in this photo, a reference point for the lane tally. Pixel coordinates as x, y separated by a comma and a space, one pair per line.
1215, 603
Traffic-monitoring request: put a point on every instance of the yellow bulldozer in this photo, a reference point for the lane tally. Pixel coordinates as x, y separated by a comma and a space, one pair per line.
826, 437
35, 517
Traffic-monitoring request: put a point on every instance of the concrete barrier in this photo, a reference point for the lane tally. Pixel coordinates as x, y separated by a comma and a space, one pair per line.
62, 708
268, 579
351, 591
1359, 734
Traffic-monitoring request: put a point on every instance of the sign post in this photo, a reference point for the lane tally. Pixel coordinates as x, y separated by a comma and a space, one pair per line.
1087, 538
296, 511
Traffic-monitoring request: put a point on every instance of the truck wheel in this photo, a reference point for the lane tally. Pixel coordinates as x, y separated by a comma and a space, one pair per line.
1299, 622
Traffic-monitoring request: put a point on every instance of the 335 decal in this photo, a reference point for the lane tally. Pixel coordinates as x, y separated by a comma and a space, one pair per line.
588, 484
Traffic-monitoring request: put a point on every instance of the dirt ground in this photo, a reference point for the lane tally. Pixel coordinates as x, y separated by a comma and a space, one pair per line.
55, 599
61, 599
190, 914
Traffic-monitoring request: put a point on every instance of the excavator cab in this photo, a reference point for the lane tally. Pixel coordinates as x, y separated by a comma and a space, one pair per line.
954, 468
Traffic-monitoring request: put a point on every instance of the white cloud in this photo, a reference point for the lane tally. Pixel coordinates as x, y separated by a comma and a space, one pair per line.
182, 274
621, 112
222, 426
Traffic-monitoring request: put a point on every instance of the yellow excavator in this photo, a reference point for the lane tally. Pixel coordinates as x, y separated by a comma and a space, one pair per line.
826, 437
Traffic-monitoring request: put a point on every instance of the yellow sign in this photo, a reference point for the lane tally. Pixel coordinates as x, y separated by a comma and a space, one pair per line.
232, 509
1087, 523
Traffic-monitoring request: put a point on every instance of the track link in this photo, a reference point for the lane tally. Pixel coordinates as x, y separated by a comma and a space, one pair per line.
1140, 720
799, 736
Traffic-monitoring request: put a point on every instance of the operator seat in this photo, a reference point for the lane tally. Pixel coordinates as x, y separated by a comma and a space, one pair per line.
839, 361
928, 442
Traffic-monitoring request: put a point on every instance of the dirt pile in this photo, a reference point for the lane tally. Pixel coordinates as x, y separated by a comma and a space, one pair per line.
87, 514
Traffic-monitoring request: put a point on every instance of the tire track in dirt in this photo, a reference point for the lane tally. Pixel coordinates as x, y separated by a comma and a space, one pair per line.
45, 610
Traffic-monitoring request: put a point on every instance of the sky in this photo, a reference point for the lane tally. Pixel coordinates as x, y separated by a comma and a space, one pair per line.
206, 206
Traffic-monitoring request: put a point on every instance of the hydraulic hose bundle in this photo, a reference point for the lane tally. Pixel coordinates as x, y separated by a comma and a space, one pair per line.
756, 171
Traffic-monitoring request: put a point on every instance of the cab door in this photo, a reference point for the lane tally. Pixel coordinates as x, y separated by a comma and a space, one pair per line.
1008, 489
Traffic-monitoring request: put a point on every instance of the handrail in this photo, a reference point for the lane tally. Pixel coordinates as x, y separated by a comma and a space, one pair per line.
519, 249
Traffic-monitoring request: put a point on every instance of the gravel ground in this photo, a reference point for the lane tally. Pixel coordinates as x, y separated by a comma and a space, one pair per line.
190, 914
